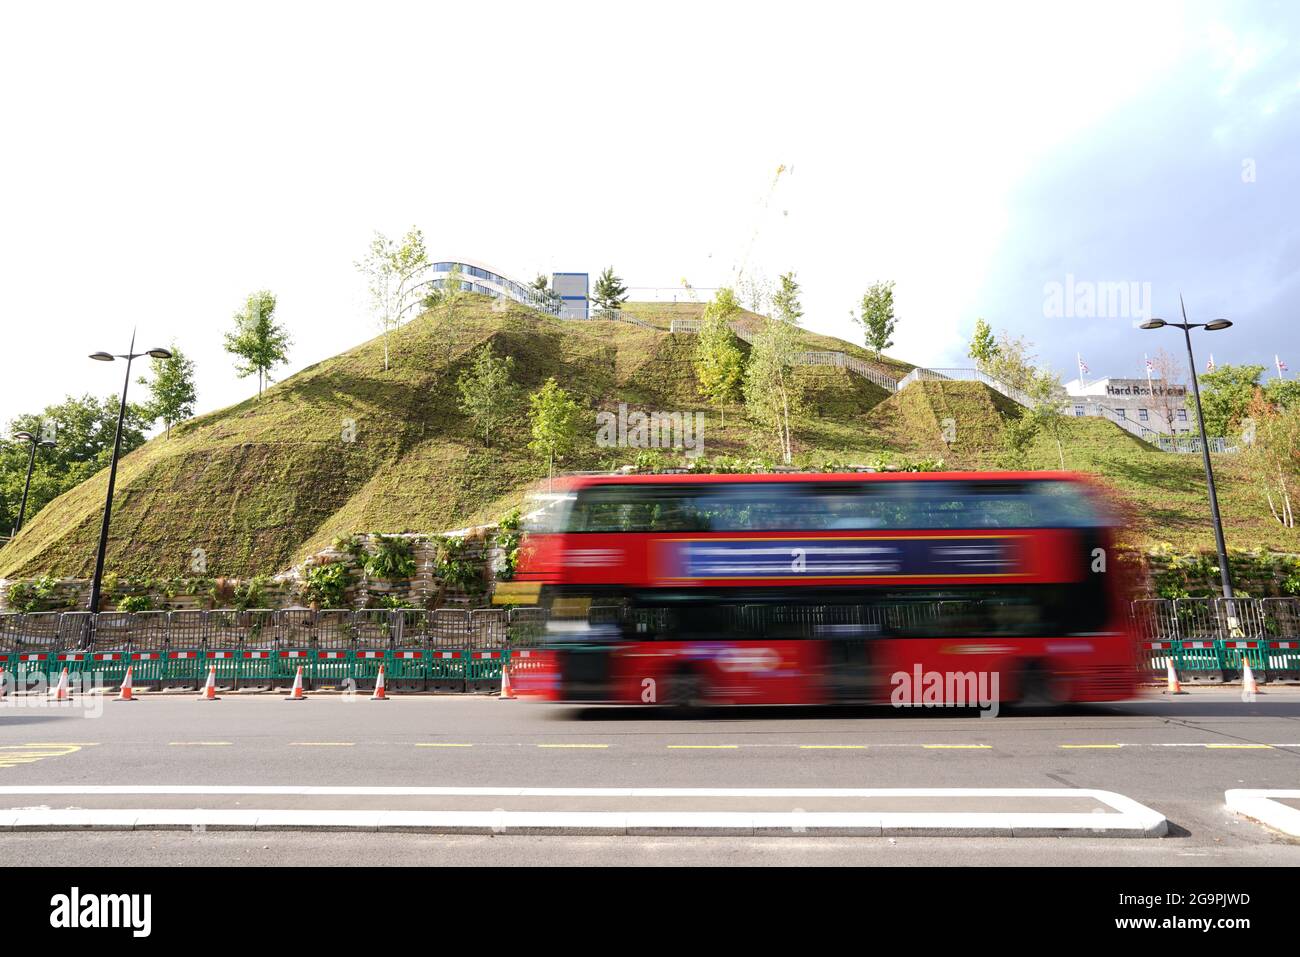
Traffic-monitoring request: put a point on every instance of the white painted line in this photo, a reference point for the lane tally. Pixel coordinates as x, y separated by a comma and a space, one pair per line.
431, 791
1264, 807
1129, 818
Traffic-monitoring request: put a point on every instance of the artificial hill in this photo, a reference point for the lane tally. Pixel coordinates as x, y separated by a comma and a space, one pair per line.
345, 446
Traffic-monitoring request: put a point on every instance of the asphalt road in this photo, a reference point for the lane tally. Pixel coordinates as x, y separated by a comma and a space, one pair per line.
1176, 755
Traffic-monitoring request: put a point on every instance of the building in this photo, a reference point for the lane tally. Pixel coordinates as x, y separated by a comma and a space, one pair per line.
1153, 405
572, 288
567, 297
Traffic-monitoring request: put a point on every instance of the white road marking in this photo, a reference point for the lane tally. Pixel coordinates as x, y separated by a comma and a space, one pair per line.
1264, 807
1126, 817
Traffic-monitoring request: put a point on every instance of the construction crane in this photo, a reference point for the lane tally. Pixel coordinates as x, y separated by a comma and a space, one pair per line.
764, 203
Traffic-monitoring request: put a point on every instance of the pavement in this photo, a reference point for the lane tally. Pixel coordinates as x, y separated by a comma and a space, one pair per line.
1175, 757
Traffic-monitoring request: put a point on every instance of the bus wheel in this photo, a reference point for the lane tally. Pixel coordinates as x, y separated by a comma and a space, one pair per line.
687, 690
1039, 688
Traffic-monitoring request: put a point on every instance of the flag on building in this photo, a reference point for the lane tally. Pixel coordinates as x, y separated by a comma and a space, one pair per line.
1083, 367
1151, 366
1209, 366
1281, 366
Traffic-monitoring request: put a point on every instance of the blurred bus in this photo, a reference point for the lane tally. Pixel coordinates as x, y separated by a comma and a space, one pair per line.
822, 588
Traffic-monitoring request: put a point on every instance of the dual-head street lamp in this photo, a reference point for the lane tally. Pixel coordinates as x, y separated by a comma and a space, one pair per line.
1213, 325
34, 440
129, 356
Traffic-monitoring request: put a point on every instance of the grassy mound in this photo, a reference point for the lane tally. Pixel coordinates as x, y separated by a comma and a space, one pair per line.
345, 446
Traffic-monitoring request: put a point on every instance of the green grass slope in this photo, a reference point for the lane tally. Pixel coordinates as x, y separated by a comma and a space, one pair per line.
1165, 493
263, 483
256, 486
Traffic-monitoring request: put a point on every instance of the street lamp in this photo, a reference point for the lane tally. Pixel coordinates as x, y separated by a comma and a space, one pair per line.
1212, 326
129, 356
34, 440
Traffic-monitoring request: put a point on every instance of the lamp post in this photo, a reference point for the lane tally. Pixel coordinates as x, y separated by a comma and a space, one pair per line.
34, 440
129, 356
1212, 326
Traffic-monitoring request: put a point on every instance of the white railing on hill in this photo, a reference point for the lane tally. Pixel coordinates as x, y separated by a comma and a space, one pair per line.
826, 358
1162, 441
967, 375
614, 315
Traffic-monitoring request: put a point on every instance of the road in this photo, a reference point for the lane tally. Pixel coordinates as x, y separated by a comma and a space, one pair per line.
1174, 755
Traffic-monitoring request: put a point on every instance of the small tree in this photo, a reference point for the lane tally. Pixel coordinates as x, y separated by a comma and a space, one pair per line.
1167, 373
772, 394
1273, 456
983, 345
1226, 395
555, 418
258, 339
487, 391
392, 271
1047, 414
547, 297
1012, 363
876, 316
719, 363
610, 293
785, 301
755, 292
172, 393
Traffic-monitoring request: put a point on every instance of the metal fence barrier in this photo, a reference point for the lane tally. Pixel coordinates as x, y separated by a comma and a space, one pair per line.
458, 649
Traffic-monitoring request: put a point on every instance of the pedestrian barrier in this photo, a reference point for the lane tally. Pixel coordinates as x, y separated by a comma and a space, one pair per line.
458, 649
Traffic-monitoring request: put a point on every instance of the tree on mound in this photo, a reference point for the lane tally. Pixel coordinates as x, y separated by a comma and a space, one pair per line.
877, 317
555, 418
172, 389
983, 345
610, 293
773, 395
719, 363
392, 271
258, 339
487, 391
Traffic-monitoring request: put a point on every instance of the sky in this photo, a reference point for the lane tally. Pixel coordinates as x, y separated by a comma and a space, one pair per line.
160, 162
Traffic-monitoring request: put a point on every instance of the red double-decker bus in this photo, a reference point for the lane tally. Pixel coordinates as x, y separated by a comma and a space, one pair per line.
825, 588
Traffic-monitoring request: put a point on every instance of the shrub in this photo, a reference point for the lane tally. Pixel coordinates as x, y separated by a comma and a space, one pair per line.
393, 559
135, 603
34, 596
250, 594
453, 569
326, 585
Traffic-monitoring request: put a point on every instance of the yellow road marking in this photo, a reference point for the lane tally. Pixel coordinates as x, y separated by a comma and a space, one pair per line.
440, 744
13, 755
1252, 747
322, 744
1077, 747
55, 744
199, 744
703, 747
960, 747
832, 747
573, 745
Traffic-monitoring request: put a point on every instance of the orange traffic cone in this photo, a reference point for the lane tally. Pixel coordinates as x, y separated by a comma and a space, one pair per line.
379, 694
296, 694
209, 692
1249, 688
1172, 678
124, 692
507, 693
60, 691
